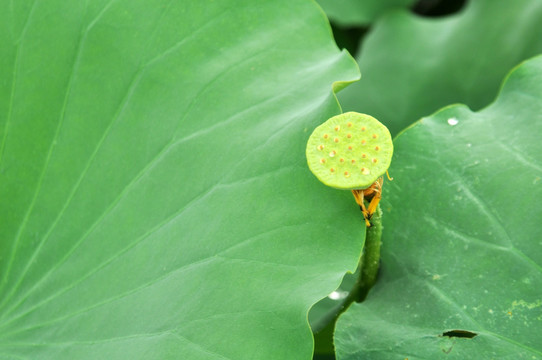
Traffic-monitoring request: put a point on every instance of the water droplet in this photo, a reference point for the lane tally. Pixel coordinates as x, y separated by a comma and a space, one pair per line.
453, 121
338, 295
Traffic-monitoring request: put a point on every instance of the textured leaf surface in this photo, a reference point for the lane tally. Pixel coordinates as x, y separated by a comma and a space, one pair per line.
359, 12
462, 247
413, 66
154, 195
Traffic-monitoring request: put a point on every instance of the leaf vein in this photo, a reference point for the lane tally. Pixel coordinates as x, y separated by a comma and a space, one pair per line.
22, 227
153, 162
155, 229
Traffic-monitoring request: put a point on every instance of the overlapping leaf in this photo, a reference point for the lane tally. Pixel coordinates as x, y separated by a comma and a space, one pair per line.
462, 247
413, 66
356, 12
154, 197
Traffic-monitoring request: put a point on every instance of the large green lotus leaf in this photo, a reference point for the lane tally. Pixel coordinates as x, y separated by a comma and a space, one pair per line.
154, 195
462, 247
413, 66
359, 12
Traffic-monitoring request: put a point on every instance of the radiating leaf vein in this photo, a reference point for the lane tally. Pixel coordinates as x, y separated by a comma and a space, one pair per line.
22, 226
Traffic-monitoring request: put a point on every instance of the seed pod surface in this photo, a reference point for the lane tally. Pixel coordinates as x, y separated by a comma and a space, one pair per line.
350, 151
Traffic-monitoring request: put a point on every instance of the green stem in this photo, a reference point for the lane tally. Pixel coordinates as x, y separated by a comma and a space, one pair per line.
368, 264
367, 272
370, 259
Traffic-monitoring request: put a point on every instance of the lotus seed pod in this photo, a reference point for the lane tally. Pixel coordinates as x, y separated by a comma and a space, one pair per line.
350, 151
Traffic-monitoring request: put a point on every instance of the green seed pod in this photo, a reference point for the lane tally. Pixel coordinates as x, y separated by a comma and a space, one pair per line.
350, 151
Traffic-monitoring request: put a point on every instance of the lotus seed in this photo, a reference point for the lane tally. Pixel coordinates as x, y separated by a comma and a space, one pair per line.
326, 136
332, 154
365, 171
377, 148
364, 155
320, 147
350, 148
375, 136
337, 128
347, 174
375, 160
323, 161
353, 161
363, 142
349, 124
349, 136
341, 160
363, 128
332, 170
336, 140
